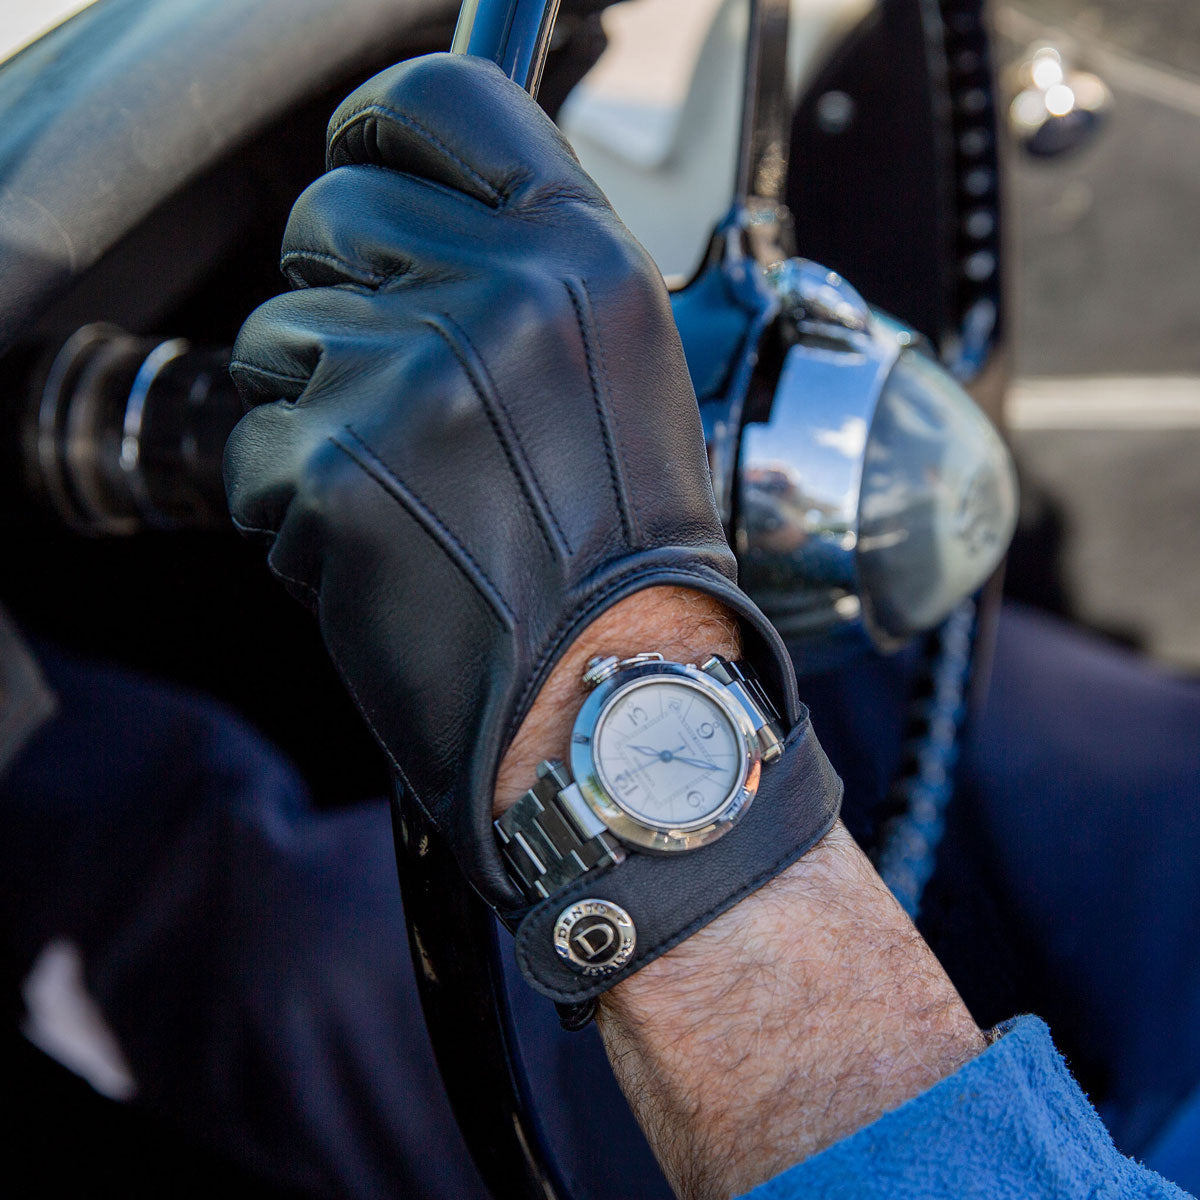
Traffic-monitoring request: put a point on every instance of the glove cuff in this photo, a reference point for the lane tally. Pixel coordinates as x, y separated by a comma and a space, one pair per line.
668, 898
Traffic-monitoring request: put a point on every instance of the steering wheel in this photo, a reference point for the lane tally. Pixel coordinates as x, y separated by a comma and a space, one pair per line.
80, 180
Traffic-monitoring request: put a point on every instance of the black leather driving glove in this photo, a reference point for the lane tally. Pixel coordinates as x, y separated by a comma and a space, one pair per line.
475, 429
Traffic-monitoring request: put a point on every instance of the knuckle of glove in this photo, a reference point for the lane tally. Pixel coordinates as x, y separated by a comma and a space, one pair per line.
273, 357
332, 235
458, 121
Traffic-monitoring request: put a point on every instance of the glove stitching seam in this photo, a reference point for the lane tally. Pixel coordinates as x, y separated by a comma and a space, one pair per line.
506, 433
570, 624
375, 109
243, 527
427, 519
367, 275
635, 523
612, 416
601, 411
240, 364
307, 588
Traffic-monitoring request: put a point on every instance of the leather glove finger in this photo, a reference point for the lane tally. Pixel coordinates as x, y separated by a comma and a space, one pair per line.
295, 347
463, 124
277, 445
288, 457
378, 229
283, 343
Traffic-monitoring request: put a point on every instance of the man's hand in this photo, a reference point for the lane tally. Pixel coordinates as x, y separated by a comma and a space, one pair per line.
475, 431
803, 1013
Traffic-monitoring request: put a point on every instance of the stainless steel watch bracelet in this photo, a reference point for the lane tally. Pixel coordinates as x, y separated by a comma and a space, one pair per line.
550, 837
752, 696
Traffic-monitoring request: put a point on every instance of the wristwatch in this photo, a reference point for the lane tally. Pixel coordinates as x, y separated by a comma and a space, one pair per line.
665, 758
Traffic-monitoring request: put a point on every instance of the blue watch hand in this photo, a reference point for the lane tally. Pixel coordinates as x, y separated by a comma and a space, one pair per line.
695, 762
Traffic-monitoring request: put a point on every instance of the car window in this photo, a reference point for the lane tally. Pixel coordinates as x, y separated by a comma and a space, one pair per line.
24, 21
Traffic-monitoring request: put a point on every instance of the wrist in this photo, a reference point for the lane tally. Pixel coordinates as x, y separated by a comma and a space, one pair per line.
680, 624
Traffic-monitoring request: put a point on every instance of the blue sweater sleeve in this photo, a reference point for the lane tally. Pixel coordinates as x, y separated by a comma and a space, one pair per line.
1010, 1125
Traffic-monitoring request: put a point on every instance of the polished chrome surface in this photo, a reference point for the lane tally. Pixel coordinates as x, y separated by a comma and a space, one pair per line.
514, 34
801, 477
875, 496
766, 113
811, 292
755, 234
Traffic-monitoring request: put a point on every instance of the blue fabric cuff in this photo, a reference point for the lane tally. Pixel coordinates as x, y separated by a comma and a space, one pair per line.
1010, 1125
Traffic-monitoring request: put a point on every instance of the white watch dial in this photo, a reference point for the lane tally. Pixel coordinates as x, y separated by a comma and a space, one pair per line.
668, 754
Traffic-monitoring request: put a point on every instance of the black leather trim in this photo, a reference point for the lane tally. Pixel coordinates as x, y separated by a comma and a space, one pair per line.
669, 897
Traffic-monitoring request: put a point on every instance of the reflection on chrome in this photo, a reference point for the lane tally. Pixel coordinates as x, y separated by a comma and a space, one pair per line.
875, 496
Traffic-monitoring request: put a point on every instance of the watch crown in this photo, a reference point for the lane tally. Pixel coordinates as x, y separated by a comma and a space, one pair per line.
600, 669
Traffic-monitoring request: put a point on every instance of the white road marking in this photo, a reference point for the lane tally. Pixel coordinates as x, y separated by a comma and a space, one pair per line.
1151, 402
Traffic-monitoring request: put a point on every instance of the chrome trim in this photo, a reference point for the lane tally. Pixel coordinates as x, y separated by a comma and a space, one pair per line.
800, 476
798, 526
808, 291
130, 458
514, 34
766, 112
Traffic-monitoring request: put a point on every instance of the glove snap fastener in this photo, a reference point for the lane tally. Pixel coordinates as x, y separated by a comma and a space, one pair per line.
595, 937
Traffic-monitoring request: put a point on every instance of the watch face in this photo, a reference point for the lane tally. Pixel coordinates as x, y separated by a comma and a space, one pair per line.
668, 754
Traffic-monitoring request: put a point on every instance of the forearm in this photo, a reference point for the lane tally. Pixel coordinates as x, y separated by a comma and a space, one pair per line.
801, 1014
797, 1017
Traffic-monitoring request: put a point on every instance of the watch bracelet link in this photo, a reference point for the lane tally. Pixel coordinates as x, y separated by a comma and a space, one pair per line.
550, 837
747, 688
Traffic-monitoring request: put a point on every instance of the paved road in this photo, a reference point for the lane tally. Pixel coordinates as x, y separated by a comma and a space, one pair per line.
1107, 262
1107, 247
1161, 31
